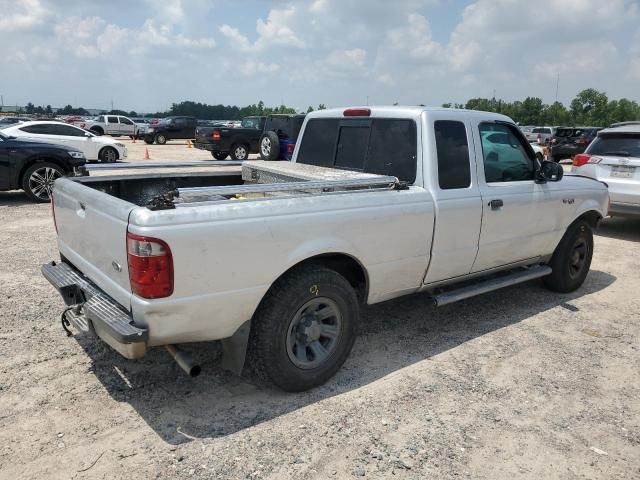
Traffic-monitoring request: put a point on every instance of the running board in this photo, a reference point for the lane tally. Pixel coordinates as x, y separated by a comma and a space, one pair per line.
518, 276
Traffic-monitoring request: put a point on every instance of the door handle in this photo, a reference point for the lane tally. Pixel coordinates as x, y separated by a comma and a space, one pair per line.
496, 204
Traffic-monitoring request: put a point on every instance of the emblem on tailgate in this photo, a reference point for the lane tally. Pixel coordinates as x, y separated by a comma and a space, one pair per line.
116, 266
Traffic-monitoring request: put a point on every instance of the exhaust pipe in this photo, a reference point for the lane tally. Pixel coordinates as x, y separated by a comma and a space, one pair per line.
184, 360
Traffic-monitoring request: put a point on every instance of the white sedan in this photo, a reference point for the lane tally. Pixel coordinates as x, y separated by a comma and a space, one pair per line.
94, 147
614, 158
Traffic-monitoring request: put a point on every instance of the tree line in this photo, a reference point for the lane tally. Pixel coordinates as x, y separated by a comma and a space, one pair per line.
590, 107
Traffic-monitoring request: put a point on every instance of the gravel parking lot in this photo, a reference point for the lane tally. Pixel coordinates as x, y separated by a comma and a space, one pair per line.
519, 383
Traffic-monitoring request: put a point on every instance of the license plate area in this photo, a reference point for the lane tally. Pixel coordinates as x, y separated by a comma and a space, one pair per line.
622, 171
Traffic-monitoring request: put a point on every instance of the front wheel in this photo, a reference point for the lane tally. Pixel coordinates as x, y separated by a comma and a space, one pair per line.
108, 155
304, 328
160, 139
571, 261
37, 181
239, 152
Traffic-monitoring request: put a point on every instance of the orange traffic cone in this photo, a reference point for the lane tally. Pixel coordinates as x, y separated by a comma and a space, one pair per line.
189, 145
146, 154
133, 139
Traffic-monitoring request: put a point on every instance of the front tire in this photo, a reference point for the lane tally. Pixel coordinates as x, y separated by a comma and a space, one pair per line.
98, 131
572, 259
304, 328
37, 181
160, 139
108, 155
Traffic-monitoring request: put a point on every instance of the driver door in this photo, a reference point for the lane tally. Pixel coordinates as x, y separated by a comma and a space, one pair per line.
517, 212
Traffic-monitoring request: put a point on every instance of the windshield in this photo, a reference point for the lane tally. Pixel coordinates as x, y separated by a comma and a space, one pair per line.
621, 145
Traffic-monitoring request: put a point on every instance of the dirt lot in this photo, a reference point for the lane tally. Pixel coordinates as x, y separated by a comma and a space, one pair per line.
520, 383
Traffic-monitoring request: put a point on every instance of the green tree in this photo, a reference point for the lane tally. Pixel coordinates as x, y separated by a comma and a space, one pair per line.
30, 108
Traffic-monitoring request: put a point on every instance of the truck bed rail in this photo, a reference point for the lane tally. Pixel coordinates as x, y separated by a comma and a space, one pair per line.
131, 165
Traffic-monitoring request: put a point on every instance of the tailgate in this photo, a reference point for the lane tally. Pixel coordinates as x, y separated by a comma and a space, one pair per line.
92, 230
203, 134
622, 174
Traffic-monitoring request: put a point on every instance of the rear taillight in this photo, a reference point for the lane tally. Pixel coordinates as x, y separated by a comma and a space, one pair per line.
53, 213
215, 135
150, 266
290, 148
584, 158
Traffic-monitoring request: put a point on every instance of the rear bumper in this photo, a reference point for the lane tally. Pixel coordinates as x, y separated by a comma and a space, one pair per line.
207, 146
624, 209
96, 312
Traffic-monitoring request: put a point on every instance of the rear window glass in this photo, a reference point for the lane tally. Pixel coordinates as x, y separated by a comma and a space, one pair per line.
381, 146
541, 130
454, 169
616, 145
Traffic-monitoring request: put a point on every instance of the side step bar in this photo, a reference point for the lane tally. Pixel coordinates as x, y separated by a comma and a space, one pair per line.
513, 278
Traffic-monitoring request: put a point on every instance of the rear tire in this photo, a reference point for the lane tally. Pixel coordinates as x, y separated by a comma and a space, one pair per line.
108, 155
220, 155
572, 259
269, 146
98, 131
240, 152
304, 328
161, 139
37, 181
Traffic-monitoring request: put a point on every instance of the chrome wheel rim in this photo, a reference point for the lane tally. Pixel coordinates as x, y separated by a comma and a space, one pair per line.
109, 155
265, 146
41, 182
314, 333
241, 153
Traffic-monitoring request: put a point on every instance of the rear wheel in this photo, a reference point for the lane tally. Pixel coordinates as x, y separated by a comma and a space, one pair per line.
160, 139
240, 152
269, 146
572, 259
219, 155
304, 328
108, 155
97, 131
37, 181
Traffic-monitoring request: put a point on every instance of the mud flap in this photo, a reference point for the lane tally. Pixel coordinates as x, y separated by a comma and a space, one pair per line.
234, 349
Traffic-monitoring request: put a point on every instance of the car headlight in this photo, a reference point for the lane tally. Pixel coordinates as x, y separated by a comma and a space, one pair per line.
75, 154
149, 130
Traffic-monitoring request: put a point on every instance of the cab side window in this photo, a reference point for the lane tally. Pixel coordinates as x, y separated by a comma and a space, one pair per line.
112, 119
505, 157
454, 166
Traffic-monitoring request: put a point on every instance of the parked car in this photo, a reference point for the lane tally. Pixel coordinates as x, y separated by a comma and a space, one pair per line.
350, 221
570, 141
171, 128
34, 166
541, 135
527, 132
94, 147
114, 125
6, 121
278, 140
222, 140
614, 157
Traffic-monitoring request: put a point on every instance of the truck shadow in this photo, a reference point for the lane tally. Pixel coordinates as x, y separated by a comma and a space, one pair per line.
620, 228
394, 335
15, 198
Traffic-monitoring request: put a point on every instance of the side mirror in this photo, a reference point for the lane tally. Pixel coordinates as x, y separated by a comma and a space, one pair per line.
88, 135
550, 172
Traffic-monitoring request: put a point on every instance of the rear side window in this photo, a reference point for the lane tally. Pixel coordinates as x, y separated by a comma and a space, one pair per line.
112, 119
42, 129
454, 167
381, 146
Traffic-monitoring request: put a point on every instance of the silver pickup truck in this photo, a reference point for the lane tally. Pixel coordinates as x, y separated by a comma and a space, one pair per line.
277, 260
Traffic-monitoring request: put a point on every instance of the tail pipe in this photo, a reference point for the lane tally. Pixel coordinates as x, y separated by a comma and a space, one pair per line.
184, 360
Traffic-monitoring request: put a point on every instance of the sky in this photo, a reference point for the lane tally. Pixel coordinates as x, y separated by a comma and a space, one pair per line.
144, 55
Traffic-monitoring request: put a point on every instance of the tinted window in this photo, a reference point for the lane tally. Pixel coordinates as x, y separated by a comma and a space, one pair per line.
181, 122
392, 149
126, 121
319, 142
42, 129
67, 130
381, 146
112, 119
352, 147
616, 145
277, 124
505, 158
454, 168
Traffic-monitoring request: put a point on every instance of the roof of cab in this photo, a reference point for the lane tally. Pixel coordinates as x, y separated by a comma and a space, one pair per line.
392, 110
629, 128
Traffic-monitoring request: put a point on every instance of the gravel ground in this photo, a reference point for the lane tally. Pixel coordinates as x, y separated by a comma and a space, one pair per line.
518, 383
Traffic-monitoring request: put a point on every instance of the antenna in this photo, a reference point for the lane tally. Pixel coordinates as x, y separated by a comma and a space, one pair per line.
557, 85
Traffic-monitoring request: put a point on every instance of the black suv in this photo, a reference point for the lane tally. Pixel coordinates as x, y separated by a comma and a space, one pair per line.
570, 141
171, 128
279, 137
34, 166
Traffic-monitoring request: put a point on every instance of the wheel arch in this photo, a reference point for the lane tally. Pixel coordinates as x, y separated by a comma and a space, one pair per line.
38, 159
111, 147
592, 217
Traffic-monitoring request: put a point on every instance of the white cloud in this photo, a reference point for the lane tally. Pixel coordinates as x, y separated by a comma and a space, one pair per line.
347, 59
21, 15
236, 38
275, 30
